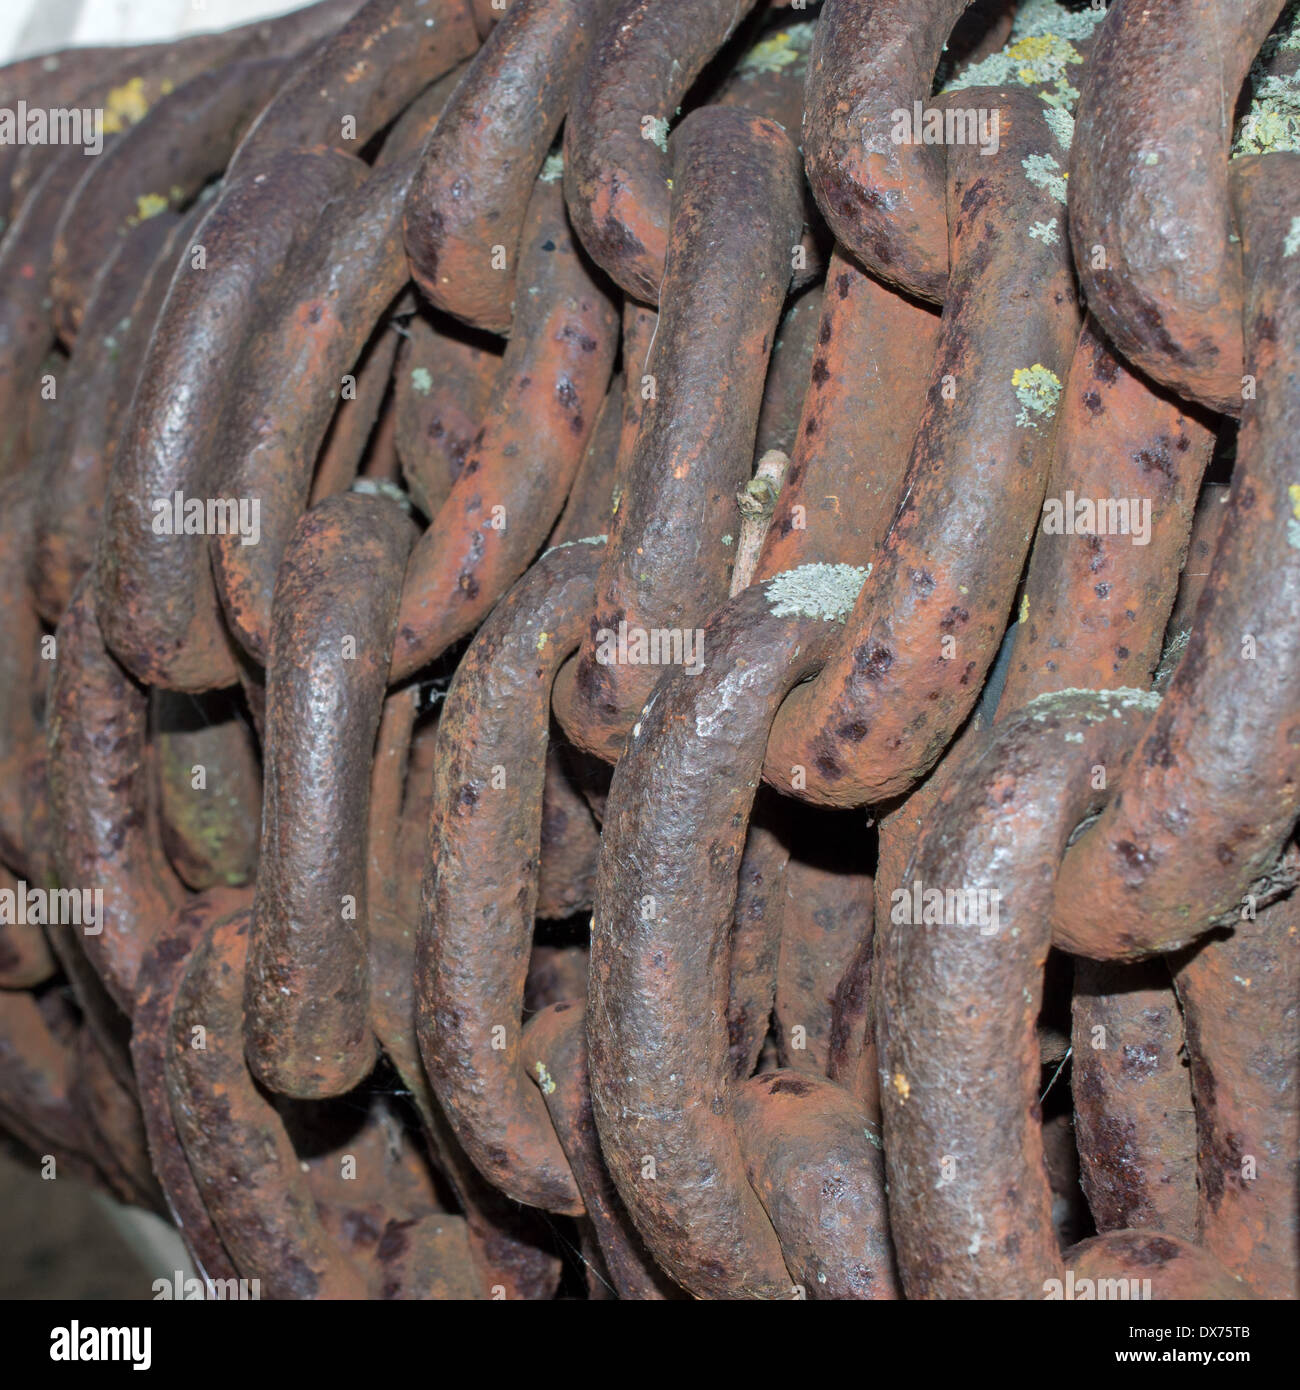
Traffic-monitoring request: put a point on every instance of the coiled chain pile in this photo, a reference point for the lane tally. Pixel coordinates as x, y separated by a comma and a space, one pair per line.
651, 648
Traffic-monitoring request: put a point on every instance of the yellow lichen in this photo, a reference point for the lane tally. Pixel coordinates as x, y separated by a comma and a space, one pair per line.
125, 106
1038, 389
146, 206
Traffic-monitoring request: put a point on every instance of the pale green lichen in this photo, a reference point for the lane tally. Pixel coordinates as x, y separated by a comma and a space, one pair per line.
827, 592
1037, 17
544, 1078
582, 540
1172, 655
1061, 123
781, 50
421, 380
1292, 243
552, 167
1038, 389
381, 487
655, 128
1272, 122
1046, 232
1039, 54
1108, 702
1044, 172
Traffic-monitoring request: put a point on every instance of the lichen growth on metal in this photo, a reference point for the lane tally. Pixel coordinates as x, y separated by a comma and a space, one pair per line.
780, 50
1044, 172
1111, 702
655, 129
827, 592
1271, 124
1038, 389
582, 540
1038, 55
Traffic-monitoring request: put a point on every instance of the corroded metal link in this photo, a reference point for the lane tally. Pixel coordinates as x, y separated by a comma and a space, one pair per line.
883, 199
570, 845
347, 442
127, 81
94, 395
35, 1071
1238, 991
1097, 602
755, 943
466, 208
144, 76
929, 620
292, 366
104, 837
616, 167
589, 508
26, 335
159, 978
61, 77
1133, 1116
813, 1156
1176, 1270
1149, 188
554, 1050
969, 1200
22, 753
827, 911
266, 1217
586, 515
734, 217
154, 582
163, 161
479, 898
110, 1111
25, 958
441, 390
209, 787
661, 1073
1210, 795
769, 80
543, 407
861, 406
357, 80
505, 1240
1093, 615
793, 349
307, 1000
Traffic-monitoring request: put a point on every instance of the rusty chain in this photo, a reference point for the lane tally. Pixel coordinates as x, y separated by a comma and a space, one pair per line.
629, 630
